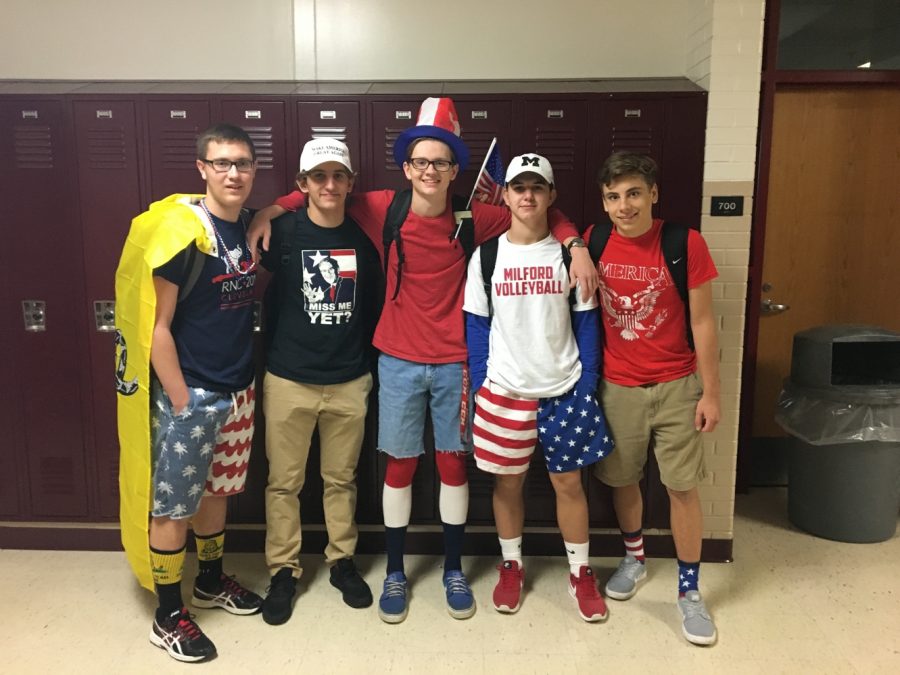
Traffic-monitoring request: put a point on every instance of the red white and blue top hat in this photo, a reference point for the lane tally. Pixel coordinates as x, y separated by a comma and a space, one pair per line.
437, 119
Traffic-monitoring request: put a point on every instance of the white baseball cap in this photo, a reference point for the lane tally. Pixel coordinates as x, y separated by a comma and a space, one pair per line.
530, 163
321, 150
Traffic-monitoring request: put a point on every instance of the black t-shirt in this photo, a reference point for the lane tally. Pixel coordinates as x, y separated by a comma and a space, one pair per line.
213, 325
328, 297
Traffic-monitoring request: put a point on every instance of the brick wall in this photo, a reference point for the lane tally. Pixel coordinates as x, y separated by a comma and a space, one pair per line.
725, 58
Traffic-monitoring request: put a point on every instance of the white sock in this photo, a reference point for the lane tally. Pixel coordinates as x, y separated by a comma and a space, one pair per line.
578, 556
511, 549
453, 503
397, 505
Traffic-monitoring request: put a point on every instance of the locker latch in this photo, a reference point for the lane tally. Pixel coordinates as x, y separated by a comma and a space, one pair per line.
105, 315
35, 314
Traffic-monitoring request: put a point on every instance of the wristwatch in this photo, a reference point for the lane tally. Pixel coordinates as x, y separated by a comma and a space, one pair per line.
577, 242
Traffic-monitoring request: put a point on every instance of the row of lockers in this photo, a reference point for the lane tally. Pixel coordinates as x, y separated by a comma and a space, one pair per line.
76, 169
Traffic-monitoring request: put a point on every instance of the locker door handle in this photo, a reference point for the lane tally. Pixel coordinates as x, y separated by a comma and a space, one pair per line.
105, 315
632, 113
555, 114
35, 314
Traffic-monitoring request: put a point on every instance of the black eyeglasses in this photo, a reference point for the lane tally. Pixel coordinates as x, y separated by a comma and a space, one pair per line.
420, 164
224, 165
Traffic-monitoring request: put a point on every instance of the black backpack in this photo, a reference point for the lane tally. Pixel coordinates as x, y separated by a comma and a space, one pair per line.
489, 262
285, 229
396, 216
674, 248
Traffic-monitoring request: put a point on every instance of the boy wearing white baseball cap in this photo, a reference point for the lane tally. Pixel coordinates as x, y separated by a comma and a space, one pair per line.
421, 338
533, 356
327, 294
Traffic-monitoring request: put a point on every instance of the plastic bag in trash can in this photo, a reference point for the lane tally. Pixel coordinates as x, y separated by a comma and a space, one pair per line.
839, 414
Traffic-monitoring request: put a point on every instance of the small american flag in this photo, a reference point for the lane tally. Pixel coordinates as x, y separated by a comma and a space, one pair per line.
489, 185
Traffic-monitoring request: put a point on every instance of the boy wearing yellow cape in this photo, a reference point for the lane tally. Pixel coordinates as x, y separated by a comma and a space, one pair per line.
184, 376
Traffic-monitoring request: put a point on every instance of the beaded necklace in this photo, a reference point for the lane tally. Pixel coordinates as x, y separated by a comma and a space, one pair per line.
231, 262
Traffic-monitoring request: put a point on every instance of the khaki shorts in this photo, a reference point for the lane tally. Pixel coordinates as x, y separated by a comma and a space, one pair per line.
663, 414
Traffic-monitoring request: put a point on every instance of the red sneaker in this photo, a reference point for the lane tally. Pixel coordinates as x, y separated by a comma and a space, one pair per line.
591, 606
508, 591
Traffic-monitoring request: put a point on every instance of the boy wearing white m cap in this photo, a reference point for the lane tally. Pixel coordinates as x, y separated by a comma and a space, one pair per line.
533, 355
326, 297
421, 339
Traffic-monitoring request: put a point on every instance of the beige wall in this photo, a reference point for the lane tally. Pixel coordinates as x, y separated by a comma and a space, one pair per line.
716, 43
341, 39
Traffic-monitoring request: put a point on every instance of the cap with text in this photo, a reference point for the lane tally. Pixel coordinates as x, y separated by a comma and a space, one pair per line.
530, 163
321, 150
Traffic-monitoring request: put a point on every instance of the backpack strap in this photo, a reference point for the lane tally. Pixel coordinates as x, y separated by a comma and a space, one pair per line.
488, 263
465, 225
567, 261
193, 266
674, 249
597, 241
393, 221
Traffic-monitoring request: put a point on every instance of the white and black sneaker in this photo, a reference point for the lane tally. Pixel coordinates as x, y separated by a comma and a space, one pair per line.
181, 637
230, 596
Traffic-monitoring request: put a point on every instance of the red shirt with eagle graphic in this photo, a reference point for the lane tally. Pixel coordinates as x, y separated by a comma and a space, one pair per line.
643, 316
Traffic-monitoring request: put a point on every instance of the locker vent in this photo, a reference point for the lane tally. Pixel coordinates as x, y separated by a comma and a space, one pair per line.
33, 147
633, 140
390, 137
263, 141
106, 148
479, 142
178, 148
557, 145
113, 478
57, 475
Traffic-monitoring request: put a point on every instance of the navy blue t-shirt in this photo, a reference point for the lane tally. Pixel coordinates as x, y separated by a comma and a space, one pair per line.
213, 325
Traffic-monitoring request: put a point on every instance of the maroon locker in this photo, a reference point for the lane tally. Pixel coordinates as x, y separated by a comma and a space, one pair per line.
331, 119
106, 141
480, 122
9, 446
681, 163
389, 118
634, 125
47, 358
266, 124
556, 129
174, 126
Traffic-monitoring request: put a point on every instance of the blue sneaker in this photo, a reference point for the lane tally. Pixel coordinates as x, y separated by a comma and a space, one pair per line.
460, 601
392, 603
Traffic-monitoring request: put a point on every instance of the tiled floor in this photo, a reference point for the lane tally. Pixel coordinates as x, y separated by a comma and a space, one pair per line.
790, 603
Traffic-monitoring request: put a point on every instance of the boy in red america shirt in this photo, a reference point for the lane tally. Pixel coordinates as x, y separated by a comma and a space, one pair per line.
421, 338
651, 390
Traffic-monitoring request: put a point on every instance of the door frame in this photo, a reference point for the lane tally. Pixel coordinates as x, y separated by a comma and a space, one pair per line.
773, 80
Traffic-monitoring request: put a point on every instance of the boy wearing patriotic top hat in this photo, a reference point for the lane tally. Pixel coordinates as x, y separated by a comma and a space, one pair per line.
421, 338
534, 358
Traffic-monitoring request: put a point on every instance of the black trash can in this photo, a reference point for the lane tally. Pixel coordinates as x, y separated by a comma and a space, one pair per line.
841, 406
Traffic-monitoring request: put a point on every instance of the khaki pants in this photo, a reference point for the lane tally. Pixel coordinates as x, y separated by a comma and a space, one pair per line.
292, 412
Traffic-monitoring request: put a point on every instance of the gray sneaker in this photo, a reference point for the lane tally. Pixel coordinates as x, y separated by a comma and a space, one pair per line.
697, 625
624, 581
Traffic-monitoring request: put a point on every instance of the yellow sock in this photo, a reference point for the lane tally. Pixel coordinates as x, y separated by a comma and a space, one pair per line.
168, 566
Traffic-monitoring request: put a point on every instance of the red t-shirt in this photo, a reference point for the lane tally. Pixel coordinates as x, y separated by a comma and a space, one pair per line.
645, 337
425, 322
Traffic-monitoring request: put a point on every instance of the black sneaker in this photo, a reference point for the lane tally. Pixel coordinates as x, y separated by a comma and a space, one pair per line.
181, 637
230, 596
278, 605
353, 587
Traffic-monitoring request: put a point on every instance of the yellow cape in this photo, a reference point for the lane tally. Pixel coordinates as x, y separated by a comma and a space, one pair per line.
155, 237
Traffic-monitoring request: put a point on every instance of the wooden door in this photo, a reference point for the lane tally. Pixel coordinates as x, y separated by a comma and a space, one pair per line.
832, 249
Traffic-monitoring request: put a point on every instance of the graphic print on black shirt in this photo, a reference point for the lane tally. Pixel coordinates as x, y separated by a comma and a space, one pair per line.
329, 285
